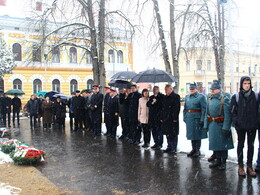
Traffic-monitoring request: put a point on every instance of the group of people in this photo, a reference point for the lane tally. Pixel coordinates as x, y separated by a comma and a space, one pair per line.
157, 115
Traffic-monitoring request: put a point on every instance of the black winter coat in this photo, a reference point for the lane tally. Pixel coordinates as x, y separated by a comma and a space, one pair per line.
106, 107
96, 107
155, 109
170, 112
133, 101
112, 117
6, 104
60, 111
78, 103
123, 106
32, 106
245, 112
17, 104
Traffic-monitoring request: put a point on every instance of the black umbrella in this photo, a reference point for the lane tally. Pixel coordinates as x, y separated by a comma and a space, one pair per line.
119, 84
153, 76
124, 75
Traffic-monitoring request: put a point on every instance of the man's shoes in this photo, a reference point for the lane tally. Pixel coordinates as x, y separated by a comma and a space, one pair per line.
241, 171
121, 137
146, 145
212, 158
191, 153
136, 142
196, 154
222, 165
250, 171
215, 164
154, 146
169, 151
257, 169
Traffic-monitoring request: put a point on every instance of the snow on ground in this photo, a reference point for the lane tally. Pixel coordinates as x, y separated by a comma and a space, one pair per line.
6, 189
4, 158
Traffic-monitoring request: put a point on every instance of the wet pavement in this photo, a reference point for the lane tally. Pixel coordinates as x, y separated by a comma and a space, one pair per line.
85, 164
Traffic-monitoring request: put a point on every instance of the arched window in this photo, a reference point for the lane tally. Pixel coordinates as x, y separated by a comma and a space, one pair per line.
2, 84
88, 58
73, 85
90, 83
111, 56
56, 85
73, 55
120, 57
36, 54
17, 84
17, 51
56, 55
37, 86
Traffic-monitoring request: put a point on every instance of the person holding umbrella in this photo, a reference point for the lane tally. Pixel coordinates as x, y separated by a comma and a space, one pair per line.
6, 109
170, 118
96, 107
17, 105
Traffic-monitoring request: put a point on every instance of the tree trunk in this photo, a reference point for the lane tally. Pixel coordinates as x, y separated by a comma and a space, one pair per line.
93, 41
101, 28
221, 47
175, 63
162, 38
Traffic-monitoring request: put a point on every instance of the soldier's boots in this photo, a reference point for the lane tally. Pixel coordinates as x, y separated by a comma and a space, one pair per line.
241, 171
191, 153
215, 163
257, 169
250, 171
222, 165
212, 158
196, 154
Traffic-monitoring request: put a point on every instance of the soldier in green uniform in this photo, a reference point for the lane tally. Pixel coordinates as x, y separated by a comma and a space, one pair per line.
218, 123
194, 114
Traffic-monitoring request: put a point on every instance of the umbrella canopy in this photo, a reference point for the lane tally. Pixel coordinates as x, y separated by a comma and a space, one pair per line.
43, 93
1, 90
14, 91
153, 76
62, 96
119, 84
123, 75
51, 93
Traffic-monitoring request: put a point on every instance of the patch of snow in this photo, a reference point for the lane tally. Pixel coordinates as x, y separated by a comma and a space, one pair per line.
4, 158
6, 189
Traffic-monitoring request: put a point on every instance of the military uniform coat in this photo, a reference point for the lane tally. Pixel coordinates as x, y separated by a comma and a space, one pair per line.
194, 120
170, 112
218, 141
106, 107
96, 107
112, 106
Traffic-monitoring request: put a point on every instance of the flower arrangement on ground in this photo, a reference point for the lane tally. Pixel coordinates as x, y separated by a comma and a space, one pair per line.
5, 132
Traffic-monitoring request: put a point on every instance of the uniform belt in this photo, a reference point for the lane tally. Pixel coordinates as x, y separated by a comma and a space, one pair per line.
219, 119
193, 111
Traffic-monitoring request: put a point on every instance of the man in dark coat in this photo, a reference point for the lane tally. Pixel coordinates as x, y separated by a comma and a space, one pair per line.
17, 106
133, 102
96, 107
88, 110
32, 108
71, 114
244, 109
6, 109
40, 112
60, 112
78, 109
112, 118
170, 118
106, 111
155, 106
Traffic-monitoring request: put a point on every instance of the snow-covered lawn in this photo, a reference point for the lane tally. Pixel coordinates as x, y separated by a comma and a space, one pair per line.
6, 189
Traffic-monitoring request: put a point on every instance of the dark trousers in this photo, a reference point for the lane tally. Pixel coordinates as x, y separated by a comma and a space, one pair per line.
113, 129
71, 115
157, 135
78, 115
97, 128
241, 133
146, 133
258, 157
137, 133
172, 141
33, 120
132, 130
17, 116
125, 126
108, 127
222, 154
89, 120
4, 118
196, 144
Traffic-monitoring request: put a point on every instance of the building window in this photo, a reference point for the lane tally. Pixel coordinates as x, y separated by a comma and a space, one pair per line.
73, 85
37, 86
188, 65
2, 84
209, 64
88, 58
73, 55
56, 85
90, 83
38, 6
36, 54
17, 51
120, 57
111, 56
199, 64
3, 2
56, 55
17, 84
